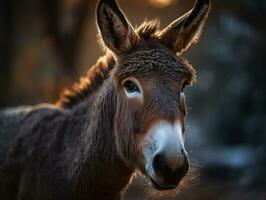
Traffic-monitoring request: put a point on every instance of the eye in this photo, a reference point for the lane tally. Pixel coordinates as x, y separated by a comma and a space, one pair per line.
132, 88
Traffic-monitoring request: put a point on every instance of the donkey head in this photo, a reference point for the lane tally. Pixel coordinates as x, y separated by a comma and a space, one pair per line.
149, 77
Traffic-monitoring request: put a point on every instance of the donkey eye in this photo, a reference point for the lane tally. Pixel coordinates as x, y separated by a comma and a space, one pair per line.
131, 87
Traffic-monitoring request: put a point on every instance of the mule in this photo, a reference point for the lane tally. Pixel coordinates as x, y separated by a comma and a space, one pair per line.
125, 116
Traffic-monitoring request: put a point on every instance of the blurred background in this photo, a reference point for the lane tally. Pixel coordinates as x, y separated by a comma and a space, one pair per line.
45, 45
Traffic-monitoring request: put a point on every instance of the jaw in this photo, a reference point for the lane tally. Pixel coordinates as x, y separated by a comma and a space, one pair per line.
164, 138
159, 187
156, 191
155, 185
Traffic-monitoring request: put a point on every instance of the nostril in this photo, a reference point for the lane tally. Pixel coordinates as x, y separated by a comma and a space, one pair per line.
166, 171
182, 151
158, 164
164, 166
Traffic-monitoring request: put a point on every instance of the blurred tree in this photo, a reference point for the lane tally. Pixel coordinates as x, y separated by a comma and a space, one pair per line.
6, 45
65, 25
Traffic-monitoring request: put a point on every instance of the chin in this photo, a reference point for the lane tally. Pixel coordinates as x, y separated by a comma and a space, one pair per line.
160, 187
159, 191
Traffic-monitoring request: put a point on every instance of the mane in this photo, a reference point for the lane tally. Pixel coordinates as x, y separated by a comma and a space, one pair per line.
96, 75
148, 29
87, 84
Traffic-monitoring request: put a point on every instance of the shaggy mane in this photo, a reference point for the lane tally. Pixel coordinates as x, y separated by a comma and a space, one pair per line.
87, 84
148, 29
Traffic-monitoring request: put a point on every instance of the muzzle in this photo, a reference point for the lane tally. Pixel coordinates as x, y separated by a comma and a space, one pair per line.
165, 155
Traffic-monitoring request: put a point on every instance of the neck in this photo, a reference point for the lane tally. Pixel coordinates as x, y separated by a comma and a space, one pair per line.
99, 171
88, 84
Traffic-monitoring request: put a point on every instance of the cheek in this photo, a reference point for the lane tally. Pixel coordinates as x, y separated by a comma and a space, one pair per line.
142, 126
181, 119
183, 111
182, 105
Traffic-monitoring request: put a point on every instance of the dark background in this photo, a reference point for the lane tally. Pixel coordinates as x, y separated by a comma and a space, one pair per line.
45, 45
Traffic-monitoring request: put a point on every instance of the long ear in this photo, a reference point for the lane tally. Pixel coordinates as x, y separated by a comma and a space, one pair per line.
182, 32
117, 33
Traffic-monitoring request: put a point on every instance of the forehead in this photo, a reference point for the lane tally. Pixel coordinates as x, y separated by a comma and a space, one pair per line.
149, 62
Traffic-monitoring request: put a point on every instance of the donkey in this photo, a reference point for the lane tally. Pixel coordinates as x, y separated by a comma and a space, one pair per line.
125, 116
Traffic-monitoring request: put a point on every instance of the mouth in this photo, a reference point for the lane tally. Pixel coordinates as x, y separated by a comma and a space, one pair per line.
158, 186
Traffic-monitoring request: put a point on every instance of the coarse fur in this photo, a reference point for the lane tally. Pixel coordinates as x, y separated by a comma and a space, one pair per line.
90, 143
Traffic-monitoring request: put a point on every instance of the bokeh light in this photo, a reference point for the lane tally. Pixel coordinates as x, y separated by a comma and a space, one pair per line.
162, 3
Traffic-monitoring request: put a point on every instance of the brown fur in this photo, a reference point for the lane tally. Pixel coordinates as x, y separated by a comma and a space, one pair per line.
90, 143
87, 84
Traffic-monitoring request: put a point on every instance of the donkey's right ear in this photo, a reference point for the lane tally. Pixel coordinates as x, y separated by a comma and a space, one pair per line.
117, 33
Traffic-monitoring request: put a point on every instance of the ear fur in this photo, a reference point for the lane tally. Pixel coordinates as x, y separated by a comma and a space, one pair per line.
116, 32
180, 34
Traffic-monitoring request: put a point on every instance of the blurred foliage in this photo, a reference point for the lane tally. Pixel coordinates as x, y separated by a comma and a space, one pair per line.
46, 45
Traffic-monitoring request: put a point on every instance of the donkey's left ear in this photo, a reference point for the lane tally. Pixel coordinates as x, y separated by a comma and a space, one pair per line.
117, 33
182, 32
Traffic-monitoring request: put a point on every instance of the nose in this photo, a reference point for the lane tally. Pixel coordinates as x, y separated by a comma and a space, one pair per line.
167, 163
169, 171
